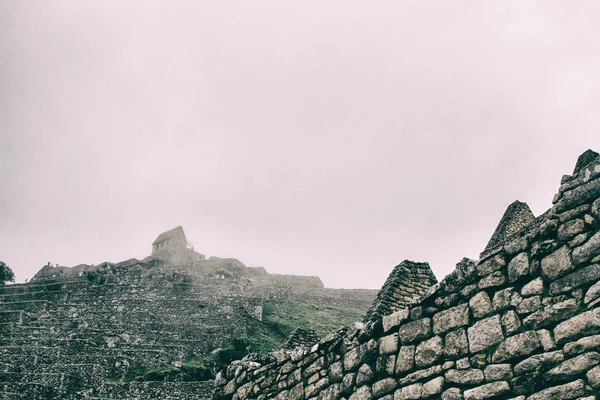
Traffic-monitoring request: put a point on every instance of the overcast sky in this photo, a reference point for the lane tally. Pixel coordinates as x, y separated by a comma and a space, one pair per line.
328, 137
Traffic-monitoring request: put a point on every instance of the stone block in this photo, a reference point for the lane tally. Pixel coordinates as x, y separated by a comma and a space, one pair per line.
557, 264
539, 362
498, 372
570, 229
518, 267
410, 392
394, 320
492, 280
579, 278
405, 360
464, 376
584, 324
588, 250
383, 387
415, 331
362, 393
388, 344
452, 394
485, 333
456, 343
487, 391
571, 368
529, 305
452, 318
490, 265
429, 351
535, 287
433, 387
510, 322
517, 346
568, 391
481, 305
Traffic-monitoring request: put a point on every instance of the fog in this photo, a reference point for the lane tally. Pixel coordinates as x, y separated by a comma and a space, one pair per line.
331, 138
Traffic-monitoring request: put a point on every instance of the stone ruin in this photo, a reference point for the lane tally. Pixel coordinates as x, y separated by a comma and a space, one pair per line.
75, 333
522, 322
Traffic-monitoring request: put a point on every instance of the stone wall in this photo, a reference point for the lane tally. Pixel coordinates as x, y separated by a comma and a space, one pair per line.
523, 322
73, 332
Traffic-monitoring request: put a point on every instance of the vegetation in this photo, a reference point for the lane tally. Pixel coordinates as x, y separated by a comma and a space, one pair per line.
6, 274
281, 317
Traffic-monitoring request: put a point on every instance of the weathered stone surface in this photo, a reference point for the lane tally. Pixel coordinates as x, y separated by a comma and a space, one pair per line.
410, 392
546, 339
364, 375
464, 376
452, 394
485, 333
510, 322
593, 376
487, 391
570, 229
592, 294
574, 366
494, 279
539, 362
383, 387
515, 346
535, 287
433, 387
588, 250
529, 305
557, 264
421, 375
518, 267
537, 339
481, 305
395, 319
406, 359
579, 278
415, 331
498, 372
429, 351
362, 393
587, 323
552, 314
388, 344
582, 345
571, 390
452, 318
457, 344
506, 298
490, 265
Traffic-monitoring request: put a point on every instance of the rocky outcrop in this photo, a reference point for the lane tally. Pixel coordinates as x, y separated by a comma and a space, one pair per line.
523, 322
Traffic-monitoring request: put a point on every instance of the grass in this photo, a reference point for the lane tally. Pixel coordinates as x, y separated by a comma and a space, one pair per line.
281, 317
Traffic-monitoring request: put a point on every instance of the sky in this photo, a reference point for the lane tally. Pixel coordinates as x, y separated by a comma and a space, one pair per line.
317, 137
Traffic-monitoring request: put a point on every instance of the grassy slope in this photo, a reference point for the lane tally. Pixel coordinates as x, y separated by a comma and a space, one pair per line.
280, 317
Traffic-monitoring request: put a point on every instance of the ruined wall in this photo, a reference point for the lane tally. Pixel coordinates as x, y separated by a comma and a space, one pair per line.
522, 323
75, 332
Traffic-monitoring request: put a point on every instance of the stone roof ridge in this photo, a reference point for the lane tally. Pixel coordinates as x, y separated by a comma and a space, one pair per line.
300, 337
584, 160
517, 216
408, 281
177, 231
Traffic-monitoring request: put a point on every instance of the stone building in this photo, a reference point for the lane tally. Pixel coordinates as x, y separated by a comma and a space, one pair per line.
168, 242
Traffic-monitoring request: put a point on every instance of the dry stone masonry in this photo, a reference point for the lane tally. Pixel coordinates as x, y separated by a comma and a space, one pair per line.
523, 322
78, 332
